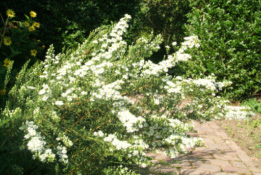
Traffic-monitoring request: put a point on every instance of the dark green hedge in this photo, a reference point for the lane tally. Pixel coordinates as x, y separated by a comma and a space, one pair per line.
230, 43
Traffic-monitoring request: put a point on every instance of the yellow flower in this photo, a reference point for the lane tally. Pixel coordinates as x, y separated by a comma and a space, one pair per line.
10, 13
7, 61
31, 28
36, 24
26, 24
43, 46
2, 91
7, 41
33, 14
33, 52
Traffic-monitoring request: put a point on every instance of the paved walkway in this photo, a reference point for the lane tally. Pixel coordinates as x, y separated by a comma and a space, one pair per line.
220, 156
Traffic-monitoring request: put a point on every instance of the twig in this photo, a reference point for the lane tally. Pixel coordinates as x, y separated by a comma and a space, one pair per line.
5, 29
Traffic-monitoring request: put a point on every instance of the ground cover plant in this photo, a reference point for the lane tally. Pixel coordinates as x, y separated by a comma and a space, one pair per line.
98, 109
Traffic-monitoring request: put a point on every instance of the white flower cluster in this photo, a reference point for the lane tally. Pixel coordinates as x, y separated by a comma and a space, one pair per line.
118, 144
111, 43
177, 123
208, 83
181, 144
162, 67
65, 139
62, 153
50, 60
12, 113
59, 103
109, 91
36, 143
202, 84
191, 41
130, 121
138, 142
62, 150
74, 68
45, 91
134, 149
119, 170
237, 112
173, 88
55, 117
170, 132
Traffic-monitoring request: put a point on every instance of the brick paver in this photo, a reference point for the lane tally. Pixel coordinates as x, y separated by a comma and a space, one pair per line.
220, 156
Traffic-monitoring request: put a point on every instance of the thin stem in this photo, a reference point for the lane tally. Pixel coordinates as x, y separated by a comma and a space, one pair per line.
2, 19
5, 29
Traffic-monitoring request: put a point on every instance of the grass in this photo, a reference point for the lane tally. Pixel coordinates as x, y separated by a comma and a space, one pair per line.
254, 104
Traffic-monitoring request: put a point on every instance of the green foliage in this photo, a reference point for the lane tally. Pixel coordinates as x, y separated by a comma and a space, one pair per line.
120, 170
18, 44
229, 32
67, 23
165, 17
254, 104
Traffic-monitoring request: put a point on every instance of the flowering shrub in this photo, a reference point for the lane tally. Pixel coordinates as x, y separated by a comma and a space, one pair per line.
18, 44
100, 108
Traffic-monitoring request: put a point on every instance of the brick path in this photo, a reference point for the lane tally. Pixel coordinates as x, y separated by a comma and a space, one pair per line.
220, 156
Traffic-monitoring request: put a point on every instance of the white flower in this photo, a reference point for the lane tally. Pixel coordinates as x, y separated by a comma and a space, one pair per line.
174, 43
45, 97
59, 103
42, 91
143, 165
31, 87
156, 101
100, 133
31, 132
83, 93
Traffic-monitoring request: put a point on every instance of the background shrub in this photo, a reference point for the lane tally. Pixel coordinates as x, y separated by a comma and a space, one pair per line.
18, 44
230, 43
165, 17
67, 23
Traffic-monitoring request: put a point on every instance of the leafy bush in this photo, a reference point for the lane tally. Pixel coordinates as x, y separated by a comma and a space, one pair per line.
18, 44
230, 43
100, 108
67, 23
165, 17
